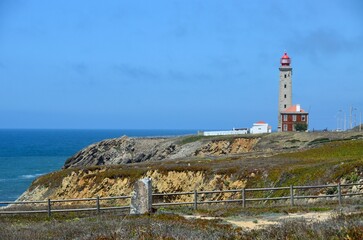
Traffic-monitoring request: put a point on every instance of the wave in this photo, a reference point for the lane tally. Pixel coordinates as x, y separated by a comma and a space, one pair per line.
27, 176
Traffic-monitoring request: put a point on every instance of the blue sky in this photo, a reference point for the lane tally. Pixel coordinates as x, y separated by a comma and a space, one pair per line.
175, 64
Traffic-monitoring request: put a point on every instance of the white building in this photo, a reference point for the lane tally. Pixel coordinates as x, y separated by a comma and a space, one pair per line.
260, 127
237, 131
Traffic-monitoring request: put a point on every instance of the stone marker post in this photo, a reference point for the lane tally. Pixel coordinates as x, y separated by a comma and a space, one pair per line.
141, 198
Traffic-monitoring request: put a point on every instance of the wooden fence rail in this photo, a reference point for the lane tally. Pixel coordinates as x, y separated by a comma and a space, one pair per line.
50, 206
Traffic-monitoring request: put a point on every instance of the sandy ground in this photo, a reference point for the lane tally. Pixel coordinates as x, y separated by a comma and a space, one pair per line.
255, 222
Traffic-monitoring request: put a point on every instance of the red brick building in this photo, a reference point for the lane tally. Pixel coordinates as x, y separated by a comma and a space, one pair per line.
292, 116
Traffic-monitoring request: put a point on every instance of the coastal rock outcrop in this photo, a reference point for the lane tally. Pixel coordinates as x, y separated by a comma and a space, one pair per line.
126, 150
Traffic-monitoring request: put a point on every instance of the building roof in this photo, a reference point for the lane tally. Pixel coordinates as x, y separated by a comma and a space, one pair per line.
260, 122
294, 109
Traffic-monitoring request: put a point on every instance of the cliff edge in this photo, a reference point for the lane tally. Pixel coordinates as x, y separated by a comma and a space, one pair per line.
126, 150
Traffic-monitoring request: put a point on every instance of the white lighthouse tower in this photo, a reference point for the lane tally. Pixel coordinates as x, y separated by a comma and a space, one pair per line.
285, 91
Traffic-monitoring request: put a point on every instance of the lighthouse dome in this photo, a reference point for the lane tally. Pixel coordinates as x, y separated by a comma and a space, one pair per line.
285, 60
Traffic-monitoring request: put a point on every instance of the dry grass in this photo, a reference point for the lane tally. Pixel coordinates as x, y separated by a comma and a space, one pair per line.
159, 226
341, 227
170, 226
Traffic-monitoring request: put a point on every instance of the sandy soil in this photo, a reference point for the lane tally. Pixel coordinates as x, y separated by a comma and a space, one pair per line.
255, 222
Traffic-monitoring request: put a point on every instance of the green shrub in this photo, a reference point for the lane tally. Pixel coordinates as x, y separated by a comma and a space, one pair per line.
301, 127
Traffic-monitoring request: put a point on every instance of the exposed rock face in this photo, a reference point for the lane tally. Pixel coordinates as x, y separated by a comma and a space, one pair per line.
124, 150
133, 150
83, 184
222, 147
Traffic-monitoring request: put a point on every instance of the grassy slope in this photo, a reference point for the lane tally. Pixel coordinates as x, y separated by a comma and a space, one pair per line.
327, 163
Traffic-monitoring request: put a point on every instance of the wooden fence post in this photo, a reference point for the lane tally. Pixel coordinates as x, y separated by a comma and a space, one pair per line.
98, 204
340, 194
243, 193
195, 200
292, 195
49, 208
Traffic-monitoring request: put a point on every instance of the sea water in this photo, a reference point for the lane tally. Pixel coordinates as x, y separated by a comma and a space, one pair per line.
27, 154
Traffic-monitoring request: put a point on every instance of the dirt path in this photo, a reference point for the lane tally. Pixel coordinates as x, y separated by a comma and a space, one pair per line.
255, 222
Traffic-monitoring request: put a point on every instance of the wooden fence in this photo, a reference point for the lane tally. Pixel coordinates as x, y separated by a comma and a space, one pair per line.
50, 206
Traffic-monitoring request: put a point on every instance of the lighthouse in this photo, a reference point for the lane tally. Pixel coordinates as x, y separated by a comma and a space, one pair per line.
285, 90
291, 117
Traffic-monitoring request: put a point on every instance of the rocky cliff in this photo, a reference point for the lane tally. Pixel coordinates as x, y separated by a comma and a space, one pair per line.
110, 167
126, 150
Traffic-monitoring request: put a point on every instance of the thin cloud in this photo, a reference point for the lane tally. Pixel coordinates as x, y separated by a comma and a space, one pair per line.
80, 68
176, 76
180, 31
321, 42
225, 62
136, 72
189, 77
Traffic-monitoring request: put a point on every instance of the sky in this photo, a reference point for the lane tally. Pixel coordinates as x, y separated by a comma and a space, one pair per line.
185, 64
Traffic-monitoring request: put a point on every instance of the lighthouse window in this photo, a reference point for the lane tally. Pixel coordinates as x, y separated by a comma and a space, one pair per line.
285, 75
285, 86
285, 96
285, 106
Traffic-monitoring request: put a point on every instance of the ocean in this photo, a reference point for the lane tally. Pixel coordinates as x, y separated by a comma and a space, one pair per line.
27, 154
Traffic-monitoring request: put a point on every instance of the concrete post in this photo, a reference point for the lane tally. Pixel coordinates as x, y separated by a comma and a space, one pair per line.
141, 198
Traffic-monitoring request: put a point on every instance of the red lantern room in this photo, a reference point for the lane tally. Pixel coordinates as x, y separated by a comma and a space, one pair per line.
285, 60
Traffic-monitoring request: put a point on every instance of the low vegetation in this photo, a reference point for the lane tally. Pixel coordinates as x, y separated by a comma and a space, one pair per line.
170, 226
231, 138
190, 139
301, 127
